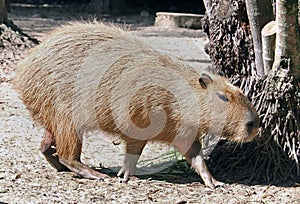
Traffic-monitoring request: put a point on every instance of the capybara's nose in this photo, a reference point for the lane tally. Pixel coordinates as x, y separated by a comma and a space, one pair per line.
252, 124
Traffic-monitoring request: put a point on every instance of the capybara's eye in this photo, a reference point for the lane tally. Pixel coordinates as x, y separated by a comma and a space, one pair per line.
222, 97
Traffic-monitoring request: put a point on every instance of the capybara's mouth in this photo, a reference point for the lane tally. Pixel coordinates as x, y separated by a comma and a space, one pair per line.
253, 134
243, 138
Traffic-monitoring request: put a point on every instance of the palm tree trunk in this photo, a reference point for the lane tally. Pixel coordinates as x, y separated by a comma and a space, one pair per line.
287, 38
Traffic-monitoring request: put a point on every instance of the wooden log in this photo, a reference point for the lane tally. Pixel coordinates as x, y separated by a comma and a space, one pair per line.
178, 20
259, 14
268, 35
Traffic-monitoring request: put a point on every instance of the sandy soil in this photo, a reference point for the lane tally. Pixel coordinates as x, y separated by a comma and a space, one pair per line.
25, 176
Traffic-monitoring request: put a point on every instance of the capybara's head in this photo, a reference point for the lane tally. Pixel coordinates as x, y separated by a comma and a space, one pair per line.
228, 110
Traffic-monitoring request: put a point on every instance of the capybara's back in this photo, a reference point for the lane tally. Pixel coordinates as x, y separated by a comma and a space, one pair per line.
91, 76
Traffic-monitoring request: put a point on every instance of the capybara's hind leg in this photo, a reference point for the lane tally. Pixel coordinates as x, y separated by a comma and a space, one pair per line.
49, 151
134, 149
69, 152
82, 170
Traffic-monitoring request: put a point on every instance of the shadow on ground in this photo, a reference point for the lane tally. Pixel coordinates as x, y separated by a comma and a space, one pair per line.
236, 171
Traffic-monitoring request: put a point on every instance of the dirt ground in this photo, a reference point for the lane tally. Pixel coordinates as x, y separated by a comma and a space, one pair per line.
26, 177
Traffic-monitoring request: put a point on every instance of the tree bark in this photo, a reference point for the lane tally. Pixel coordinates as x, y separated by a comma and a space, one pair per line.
287, 38
259, 14
3, 12
268, 34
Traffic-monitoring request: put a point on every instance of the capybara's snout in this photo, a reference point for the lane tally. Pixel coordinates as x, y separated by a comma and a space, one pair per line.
252, 125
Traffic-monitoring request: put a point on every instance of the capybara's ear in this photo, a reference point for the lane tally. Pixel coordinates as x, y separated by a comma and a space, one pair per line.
205, 80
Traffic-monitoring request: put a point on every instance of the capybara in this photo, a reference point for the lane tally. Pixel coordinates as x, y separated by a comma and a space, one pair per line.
92, 76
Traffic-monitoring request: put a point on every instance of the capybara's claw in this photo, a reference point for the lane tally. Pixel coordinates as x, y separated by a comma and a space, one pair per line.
213, 183
126, 174
218, 183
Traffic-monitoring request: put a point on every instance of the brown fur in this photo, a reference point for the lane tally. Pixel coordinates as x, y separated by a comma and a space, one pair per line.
76, 80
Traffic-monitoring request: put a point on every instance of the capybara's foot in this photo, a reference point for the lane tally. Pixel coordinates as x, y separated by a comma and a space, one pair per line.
126, 173
83, 170
49, 151
52, 158
134, 149
217, 183
129, 167
210, 181
193, 156
199, 165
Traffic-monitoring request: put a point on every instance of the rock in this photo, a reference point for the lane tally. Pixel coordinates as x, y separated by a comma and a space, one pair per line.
181, 20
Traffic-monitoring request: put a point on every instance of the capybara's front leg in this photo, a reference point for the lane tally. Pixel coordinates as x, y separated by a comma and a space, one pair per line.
134, 149
194, 157
49, 151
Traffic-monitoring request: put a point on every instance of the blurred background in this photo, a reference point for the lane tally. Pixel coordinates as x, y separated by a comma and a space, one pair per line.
119, 7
